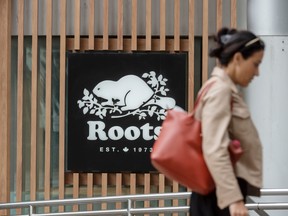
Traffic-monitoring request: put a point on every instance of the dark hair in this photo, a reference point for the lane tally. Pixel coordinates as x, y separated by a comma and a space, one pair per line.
230, 41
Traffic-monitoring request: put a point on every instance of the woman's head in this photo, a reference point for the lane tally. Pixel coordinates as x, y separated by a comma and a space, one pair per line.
231, 41
240, 52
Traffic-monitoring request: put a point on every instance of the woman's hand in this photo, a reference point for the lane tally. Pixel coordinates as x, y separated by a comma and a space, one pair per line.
238, 209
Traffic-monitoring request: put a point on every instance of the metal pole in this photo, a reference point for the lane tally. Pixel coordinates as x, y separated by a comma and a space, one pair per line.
30, 210
129, 207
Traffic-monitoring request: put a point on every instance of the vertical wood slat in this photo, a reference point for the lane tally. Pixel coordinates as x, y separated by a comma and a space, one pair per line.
90, 189
120, 25
148, 20
20, 66
118, 188
48, 91
132, 183
104, 184
77, 18
191, 82
175, 189
205, 40
147, 189
148, 46
105, 24
62, 101
177, 25
233, 14
134, 25
77, 21
219, 14
161, 190
75, 189
162, 24
91, 24
5, 44
34, 92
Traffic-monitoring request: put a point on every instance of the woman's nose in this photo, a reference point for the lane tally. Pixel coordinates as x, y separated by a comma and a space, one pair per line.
257, 72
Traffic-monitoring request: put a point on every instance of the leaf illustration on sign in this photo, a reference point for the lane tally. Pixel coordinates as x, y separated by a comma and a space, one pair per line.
130, 95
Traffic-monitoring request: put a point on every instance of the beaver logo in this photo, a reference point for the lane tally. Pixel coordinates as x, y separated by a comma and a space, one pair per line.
130, 95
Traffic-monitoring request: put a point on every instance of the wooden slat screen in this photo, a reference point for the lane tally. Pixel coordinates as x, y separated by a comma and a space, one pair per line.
177, 25
5, 42
205, 28
162, 24
219, 14
62, 102
134, 26
148, 24
233, 13
91, 24
105, 24
47, 182
77, 20
34, 99
191, 47
120, 25
91, 184
19, 151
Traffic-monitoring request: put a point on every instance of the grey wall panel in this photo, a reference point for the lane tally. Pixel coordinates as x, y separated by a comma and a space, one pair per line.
267, 99
268, 17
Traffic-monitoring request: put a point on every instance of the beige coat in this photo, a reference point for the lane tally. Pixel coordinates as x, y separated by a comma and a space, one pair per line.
222, 123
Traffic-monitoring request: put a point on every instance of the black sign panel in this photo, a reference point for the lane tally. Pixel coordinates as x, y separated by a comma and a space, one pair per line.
116, 104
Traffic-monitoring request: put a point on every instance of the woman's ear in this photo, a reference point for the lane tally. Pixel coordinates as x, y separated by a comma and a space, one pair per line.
237, 58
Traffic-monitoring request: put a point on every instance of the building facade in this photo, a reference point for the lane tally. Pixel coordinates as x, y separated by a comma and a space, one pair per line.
35, 37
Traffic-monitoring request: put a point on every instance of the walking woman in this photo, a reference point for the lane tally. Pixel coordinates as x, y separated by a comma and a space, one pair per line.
225, 117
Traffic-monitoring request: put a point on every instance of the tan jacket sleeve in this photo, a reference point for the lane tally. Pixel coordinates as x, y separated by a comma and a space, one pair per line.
215, 117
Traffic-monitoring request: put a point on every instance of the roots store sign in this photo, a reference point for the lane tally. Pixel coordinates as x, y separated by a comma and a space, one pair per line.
116, 105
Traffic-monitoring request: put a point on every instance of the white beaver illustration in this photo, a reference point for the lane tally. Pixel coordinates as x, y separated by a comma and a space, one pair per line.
130, 92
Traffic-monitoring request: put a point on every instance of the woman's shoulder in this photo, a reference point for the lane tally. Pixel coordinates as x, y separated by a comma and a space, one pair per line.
217, 87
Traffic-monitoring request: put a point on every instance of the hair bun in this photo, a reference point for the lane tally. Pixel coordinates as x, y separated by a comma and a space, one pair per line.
224, 35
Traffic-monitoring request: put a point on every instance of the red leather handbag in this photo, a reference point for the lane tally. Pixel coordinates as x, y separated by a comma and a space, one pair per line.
177, 153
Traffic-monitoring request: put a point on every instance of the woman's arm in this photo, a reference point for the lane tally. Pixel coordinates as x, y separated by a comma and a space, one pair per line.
215, 118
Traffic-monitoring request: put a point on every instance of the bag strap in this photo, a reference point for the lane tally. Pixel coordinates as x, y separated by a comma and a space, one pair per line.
202, 93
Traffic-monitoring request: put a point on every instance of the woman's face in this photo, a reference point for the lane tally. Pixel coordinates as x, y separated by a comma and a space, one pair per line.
248, 68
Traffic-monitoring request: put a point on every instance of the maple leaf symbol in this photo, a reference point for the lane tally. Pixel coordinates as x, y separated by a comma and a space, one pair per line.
125, 149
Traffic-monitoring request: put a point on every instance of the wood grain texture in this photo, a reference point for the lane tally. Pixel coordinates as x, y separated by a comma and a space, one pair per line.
162, 24
34, 100
20, 65
191, 47
148, 22
48, 92
205, 40
219, 14
177, 25
77, 21
62, 102
5, 94
91, 24
134, 25
120, 25
233, 14
105, 24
